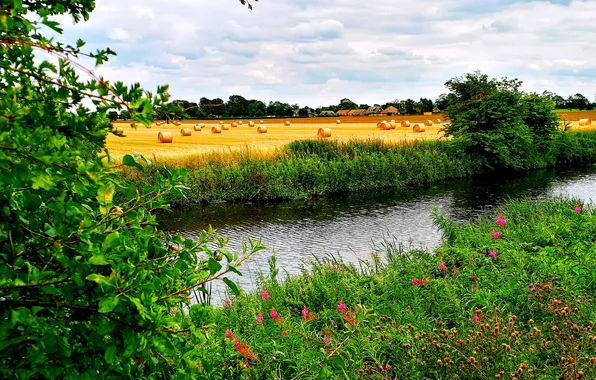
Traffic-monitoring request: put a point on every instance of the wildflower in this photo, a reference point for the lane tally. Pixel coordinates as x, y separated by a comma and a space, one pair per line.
578, 209
532, 288
389, 343
260, 319
229, 334
304, 313
493, 254
327, 340
501, 221
245, 351
273, 313
476, 318
575, 325
455, 271
496, 235
473, 277
415, 281
227, 303
342, 307
265, 295
442, 267
285, 334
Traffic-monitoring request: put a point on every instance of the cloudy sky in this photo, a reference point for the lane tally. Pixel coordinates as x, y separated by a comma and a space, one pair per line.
315, 52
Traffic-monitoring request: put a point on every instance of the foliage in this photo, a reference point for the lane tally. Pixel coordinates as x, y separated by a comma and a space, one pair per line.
496, 123
88, 286
519, 306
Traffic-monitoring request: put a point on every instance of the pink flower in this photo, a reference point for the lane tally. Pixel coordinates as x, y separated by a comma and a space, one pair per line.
415, 281
326, 340
578, 209
273, 313
473, 277
493, 254
532, 288
496, 235
442, 267
285, 334
265, 295
227, 303
501, 221
304, 313
475, 318
342, 307
455, 271
229, 334
260, 319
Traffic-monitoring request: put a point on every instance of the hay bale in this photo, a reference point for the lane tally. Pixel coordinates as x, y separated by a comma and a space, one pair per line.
405, 124
380, 123
262, 129
165, 137
221, 122
438, 121
262, 122
120, 130
198, 128
251, 123
324, 132
428, 123
428, 114
585, 122
216, 129
234, 125
392, 124
240, 122
287, 123
384, 126
336, 122
185, 132
418, 128
225, 127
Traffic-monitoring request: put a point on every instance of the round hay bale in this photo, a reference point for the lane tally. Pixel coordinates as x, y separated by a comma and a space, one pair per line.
418, 128
120, 130
438, 121
234, 125
185, 132
405, 124
380, 123
262, 129
225, 127
585, 122
240, 122
262, 122
324, 132
287, 123
216, 129
428, 123
392, 124
384, 126
165, 137
221, 122
198, 128
251, 123
336, 122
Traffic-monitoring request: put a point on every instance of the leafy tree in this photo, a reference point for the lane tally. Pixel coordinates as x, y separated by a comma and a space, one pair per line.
88, 286
112, 115
540, 118
347, 104
487, 119
279, 109
409, 107
124, 115
256, 108
426, 105
237, 106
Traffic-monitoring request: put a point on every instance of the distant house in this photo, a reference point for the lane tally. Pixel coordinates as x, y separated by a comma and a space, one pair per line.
374, 111
436, 110
327, 113
356, 113
389, 111
342, 113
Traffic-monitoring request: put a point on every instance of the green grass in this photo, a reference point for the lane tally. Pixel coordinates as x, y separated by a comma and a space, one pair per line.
314, 168
529, 310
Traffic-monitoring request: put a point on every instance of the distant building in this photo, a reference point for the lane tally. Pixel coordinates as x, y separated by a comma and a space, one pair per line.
436, 110
342, 113
356, 113
374, 111
390, 111
327, 113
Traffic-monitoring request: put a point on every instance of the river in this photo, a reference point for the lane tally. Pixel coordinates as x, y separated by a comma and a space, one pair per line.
349, 226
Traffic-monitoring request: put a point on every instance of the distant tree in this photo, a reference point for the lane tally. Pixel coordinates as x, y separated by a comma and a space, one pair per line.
112, 115
279, 109
410, 107
364, 106
124, 115
426, 105
304, 112
256, 108
190, 110
237, 106
347, 104
580, 102
559, 101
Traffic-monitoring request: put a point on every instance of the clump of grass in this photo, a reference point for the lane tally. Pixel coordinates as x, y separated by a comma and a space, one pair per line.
514, 305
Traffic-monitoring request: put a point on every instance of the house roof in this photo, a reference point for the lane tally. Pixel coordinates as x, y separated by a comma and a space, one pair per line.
327, 112
356, 112
342, 112
390, 109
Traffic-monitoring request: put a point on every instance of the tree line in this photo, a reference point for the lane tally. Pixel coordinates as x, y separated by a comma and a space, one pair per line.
238, 106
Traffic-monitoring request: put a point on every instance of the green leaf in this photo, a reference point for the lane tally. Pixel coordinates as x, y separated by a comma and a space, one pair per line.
105, 194
99, 279
129, 160
110, 355
109, 303
98, 260
232, 286
213, 266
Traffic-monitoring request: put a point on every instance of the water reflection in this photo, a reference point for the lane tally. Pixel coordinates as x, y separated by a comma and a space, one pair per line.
347, 226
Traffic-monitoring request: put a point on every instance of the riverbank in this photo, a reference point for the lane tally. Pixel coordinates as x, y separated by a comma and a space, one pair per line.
314, 168
507, 294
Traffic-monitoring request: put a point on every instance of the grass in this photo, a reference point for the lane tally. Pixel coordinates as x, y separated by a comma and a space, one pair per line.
314, 168
524, 311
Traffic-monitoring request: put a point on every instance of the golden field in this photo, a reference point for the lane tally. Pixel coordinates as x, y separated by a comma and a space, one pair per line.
244, 140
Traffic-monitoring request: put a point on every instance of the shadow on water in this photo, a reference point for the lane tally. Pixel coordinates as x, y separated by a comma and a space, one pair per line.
347, 226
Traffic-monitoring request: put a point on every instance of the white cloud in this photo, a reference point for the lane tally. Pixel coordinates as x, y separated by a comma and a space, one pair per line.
318, 51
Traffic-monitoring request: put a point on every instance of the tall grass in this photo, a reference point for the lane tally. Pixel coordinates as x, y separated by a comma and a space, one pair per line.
313, 168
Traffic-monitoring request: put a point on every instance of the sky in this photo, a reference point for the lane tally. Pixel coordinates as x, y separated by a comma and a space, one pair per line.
316, 52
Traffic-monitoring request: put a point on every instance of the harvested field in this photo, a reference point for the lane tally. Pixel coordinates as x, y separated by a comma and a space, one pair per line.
143, 139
